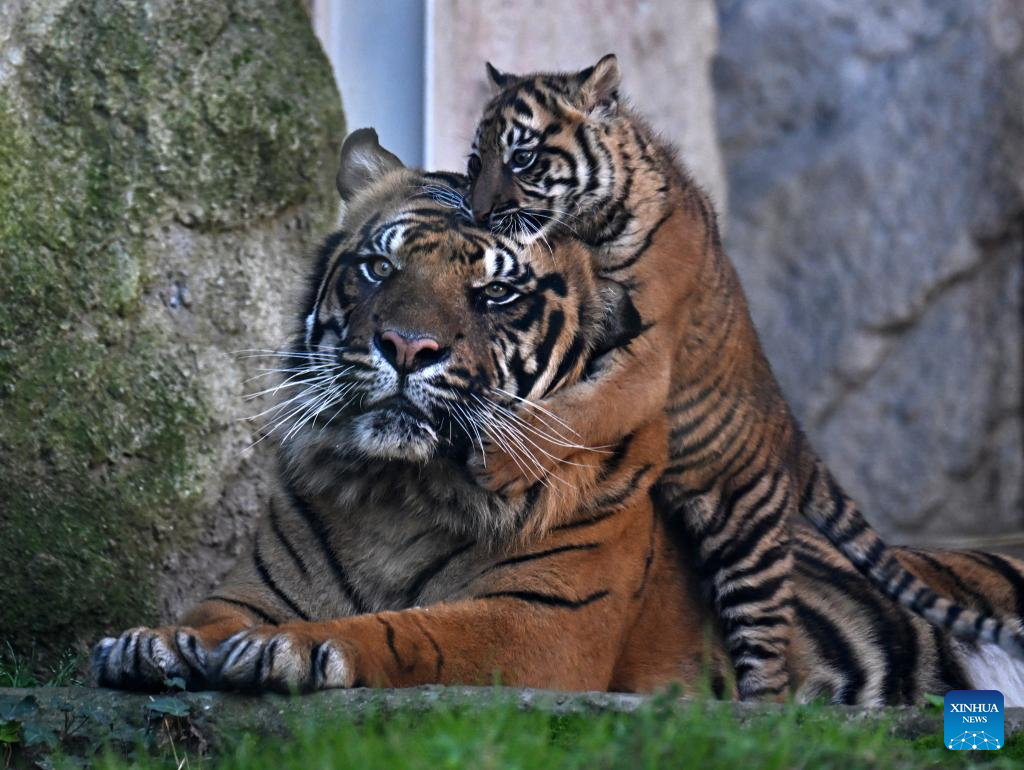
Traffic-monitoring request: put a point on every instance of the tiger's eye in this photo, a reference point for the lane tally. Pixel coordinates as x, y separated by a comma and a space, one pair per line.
381, 268
523, 158
496, 290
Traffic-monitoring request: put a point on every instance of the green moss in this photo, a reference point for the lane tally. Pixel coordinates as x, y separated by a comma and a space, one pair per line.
120, 117
693, 736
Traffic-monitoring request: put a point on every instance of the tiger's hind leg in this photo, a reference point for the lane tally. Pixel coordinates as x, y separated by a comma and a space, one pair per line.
757, 619
739, 542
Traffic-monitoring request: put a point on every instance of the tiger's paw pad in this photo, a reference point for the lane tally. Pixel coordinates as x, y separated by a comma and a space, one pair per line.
280, 661
147, 658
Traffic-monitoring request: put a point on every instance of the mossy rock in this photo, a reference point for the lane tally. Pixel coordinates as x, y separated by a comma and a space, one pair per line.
164, 168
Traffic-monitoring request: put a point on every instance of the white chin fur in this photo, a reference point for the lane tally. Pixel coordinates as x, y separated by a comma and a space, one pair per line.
391, 435
992, 668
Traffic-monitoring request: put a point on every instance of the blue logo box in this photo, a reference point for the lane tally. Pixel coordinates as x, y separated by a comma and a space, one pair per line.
973, 720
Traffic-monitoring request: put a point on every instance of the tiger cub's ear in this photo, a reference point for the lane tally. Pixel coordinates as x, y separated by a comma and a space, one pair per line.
498, 78
363, 160
599, 87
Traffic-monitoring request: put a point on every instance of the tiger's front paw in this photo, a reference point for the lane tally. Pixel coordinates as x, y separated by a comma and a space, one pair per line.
147, 658
282, 659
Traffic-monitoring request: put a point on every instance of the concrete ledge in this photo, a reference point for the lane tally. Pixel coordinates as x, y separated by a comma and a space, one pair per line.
80, 719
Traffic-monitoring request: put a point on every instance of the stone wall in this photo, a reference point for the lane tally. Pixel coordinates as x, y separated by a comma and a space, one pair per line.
164, 169
664, 49
875, 157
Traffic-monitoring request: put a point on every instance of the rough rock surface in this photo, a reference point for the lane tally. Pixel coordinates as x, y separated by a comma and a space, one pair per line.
875, 156
164, 170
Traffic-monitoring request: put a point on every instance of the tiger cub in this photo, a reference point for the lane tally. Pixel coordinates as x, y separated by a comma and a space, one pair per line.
559, 153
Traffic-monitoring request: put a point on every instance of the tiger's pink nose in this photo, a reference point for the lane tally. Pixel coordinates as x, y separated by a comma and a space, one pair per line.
408, 353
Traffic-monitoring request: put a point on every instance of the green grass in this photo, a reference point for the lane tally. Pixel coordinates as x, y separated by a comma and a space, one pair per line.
26, 670
697, 736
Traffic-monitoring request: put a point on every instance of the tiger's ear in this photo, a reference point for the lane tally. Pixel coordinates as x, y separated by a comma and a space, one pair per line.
498, 78
363, 161
599, 86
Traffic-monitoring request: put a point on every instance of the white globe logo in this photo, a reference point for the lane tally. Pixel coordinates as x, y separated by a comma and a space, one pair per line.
974, 741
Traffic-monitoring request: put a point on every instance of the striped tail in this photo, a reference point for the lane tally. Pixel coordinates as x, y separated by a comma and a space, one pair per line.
837, 517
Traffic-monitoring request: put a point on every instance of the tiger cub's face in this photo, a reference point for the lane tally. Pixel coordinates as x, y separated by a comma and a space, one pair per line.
423, 330
538, 159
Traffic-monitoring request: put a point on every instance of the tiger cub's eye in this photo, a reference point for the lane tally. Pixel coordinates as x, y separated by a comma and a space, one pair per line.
381, 268
523, 158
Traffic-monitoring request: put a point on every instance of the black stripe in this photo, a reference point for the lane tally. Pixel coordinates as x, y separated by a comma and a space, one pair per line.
871, 558
275, 526
649, 559
268, 581
684, 429
1012, 576
589, 158
317, 665
432, 570
900, 653
746, 541
319, 530
726, 517
542, 554
751, 595
832, 646
732, 456
903, 583
439, 662
250, 608
757, 649
526, 380
688, 460
765, 561
614, 461
632, 260
571, 357
549, 600
616, 499
808, 493
389, 632
953, 676
839, 507
698, 398
137, 657
683, 449
590, 520
973, 597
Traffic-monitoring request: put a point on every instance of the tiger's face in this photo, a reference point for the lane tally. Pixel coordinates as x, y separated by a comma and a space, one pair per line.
538, 159
422, 330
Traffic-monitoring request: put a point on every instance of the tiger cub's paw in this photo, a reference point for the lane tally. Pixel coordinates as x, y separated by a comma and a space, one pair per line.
280, 659
148, 658
510, 475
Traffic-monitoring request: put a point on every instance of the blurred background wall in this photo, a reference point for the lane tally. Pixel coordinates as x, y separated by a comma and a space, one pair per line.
868, 156
875, 156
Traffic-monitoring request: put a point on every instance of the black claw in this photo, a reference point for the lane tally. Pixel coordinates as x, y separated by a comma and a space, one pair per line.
314, 657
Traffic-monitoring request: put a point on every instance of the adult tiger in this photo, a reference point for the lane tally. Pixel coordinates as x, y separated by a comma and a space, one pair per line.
381, 561
559, 153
